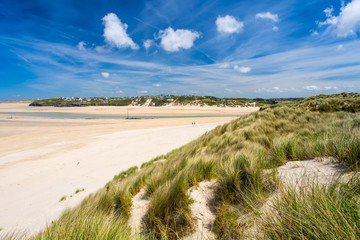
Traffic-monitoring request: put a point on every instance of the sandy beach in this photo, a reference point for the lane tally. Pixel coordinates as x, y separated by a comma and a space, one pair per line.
44, 159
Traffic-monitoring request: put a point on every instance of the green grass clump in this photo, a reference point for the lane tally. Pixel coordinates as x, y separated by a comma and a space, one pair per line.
226, 223
94, 225
318, 212
79, 190
169, 211
63, 198
126, 173
145, 164
345, 146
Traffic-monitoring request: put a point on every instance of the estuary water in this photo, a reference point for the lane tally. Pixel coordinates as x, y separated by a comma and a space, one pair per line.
101, 116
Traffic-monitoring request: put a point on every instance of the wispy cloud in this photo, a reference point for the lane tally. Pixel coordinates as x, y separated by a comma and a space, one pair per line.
224, 65
268, 15
242, 69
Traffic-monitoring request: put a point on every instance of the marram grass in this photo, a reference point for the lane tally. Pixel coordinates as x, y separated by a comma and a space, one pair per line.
317, 212
235, 155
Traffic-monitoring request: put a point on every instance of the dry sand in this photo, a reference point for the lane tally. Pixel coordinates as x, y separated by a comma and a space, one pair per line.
42, 159
139, 208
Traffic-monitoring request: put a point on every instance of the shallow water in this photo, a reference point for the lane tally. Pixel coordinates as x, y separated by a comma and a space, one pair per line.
101, 116
39, 122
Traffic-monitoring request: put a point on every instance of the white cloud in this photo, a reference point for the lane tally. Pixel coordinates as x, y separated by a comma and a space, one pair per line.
119, 92
115, 32
105, 74
147, 44
81, 46
268, 15
156, 85
348, 21
143, 91
312, 88
172, 40
229, 24
242, 69
275, 28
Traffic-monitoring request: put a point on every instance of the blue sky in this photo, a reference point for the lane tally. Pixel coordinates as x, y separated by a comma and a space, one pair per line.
237, 48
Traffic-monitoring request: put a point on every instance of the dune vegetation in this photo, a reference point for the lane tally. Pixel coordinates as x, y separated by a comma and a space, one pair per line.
235, 155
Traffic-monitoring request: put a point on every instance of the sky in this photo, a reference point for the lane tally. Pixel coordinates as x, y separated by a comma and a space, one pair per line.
232, 48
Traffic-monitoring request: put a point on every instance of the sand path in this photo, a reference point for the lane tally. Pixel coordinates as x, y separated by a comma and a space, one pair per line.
203, 210
139, 209
34, 180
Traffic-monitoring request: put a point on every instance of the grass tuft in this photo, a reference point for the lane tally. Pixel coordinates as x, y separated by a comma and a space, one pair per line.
63, 198
320, 212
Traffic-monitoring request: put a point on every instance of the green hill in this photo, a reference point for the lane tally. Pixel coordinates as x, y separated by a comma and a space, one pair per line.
239, 157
